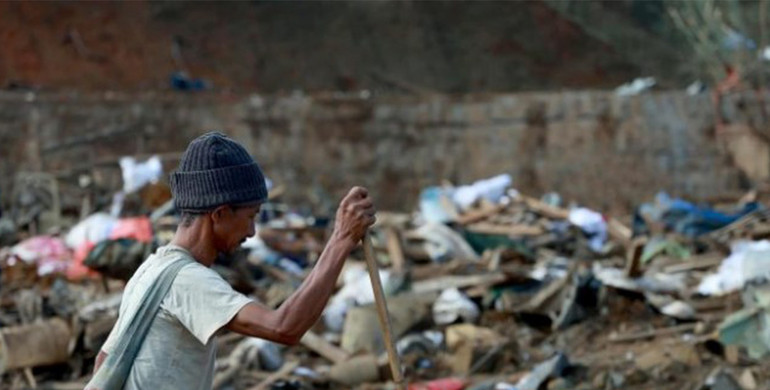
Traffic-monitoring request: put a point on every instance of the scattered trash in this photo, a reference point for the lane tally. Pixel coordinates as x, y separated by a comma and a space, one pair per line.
487, 288
764, 54
442, 243
721, 380
659, 245
592, 223
436, 205
452, 305
734, 40
750, 327
491, 189
687, 218
138, 174
440, 384
357, 291
552, 367
49, 254
747, 261
181, 81
635, 87
95, 228
696, 88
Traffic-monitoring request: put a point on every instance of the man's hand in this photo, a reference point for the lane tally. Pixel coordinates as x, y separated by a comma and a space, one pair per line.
355, 215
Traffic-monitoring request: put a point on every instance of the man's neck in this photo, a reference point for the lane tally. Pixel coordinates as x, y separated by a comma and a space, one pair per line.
195, 240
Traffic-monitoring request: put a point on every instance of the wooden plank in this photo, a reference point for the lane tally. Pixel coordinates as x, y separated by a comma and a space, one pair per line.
545, 209
693, 264
634, 257
545, 294
652, 333
324, 348
444, 282
480, 214
395, 250
619, 232
506, 230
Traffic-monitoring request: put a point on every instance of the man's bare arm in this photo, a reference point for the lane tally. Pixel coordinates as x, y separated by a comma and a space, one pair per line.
100, 358
302, 309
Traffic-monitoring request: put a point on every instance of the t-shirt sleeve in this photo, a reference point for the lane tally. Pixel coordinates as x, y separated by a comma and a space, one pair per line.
202, 301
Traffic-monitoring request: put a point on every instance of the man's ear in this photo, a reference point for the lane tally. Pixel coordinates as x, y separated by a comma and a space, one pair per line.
220, 213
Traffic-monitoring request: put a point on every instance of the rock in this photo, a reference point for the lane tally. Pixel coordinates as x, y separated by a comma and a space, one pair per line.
357, 370
362, 329
747, 380
38, 344
599, 380
474, 348
468, 333
560, 384
664, 357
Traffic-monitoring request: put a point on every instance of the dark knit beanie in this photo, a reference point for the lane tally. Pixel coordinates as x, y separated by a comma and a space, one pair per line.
216, 171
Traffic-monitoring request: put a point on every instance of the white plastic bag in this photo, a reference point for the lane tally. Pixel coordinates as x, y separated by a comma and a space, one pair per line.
452, 305
138, 174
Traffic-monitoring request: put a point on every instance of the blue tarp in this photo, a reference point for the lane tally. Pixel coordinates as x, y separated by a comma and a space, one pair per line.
688, 218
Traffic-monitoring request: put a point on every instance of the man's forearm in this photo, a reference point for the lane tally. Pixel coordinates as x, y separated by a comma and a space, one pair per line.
303, 308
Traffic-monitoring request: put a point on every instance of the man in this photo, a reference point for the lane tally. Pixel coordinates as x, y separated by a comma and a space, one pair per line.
219, 190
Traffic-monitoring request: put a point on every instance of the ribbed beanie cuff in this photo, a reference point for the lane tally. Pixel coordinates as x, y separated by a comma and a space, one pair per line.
216, 171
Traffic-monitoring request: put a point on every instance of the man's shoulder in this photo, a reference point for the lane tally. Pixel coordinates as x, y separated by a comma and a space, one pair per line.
166, 254
191, 275
158, 261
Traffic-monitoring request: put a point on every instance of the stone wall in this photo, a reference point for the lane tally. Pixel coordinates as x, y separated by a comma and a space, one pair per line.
596, 148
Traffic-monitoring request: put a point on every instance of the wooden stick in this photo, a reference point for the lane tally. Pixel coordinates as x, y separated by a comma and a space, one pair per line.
382, 313
30, 378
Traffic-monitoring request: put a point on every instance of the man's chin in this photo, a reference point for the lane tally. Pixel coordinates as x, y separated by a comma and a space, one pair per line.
232, 250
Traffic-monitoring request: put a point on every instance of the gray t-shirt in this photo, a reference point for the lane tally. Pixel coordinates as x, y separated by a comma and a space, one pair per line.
180, 348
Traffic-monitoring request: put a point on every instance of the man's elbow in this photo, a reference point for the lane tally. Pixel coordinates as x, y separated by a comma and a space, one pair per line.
278, 332
274, 325
289, 338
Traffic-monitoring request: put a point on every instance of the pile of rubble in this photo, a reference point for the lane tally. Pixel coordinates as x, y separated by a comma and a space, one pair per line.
487, 289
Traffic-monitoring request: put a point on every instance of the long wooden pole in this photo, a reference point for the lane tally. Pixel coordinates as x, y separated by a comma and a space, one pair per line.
382, 313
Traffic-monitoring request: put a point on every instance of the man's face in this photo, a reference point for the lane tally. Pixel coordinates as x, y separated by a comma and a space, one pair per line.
233, 225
